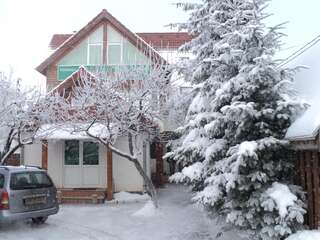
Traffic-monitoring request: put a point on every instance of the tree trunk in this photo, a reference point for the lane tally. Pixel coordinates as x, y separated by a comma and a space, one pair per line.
6, 155
149, 185
132, 158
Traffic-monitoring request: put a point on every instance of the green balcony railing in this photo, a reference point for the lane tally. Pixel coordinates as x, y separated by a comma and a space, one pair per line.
64, 71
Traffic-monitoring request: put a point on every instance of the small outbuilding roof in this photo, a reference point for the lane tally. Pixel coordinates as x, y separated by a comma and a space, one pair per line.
70, 132
307, 126
307, 84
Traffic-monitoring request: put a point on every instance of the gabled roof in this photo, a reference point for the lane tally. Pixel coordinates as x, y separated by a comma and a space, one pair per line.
74, 39
159, 40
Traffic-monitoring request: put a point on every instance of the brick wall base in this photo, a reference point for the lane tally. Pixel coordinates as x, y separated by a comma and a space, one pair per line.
80, 196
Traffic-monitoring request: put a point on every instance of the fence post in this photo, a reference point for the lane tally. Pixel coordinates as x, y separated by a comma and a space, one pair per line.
310, 196
315, 168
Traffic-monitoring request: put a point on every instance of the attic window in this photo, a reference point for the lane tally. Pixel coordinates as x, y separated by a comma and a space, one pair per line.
94, 54
115, 47
95, 48
114, 54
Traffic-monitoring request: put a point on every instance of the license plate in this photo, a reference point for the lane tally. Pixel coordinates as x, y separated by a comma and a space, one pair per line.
35, 200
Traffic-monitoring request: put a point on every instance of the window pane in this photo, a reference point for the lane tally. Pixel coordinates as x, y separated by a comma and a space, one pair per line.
96, 36
95, 54
42, 180
29, 180
1, 181
21, 181
114, 54
131, 55
114, 36
77, 56
71, 152
90, 153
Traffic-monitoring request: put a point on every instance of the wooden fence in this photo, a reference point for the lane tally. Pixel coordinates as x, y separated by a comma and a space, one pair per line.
308, 177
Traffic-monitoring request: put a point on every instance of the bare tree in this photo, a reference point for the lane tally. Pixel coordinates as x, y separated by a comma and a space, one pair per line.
21, 113
127, 101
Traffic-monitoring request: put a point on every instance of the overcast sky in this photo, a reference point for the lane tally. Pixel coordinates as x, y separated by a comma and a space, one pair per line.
26, 26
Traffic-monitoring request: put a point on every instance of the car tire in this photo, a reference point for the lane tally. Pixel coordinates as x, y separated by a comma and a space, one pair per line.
39, 220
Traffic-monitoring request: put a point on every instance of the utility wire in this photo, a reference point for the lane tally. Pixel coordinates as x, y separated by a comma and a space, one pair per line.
300, 51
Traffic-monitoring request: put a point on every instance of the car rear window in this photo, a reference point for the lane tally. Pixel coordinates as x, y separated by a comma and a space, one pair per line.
29, 180
1, 181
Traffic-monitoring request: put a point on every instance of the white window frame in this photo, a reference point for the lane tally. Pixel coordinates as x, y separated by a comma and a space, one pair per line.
80, 142
88, 52
121, 51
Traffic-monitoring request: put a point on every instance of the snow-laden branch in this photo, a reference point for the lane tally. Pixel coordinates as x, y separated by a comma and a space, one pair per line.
21, 114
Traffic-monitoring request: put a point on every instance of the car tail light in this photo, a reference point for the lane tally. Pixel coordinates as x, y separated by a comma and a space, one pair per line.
4, 201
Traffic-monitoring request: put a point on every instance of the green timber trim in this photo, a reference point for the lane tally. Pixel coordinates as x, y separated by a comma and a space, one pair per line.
64, 71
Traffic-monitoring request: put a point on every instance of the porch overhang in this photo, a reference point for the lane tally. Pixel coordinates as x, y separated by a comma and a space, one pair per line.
71, 132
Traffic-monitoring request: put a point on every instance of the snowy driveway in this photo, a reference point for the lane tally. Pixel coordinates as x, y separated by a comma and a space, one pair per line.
177, 219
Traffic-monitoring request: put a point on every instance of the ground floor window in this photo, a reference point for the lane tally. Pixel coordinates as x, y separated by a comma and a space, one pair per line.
71, 152
90, 153
1, 181
81, 153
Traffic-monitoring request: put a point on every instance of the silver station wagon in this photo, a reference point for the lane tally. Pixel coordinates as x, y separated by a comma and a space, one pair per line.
26, 193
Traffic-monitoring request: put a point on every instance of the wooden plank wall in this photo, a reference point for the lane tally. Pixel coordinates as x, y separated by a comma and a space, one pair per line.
308, 178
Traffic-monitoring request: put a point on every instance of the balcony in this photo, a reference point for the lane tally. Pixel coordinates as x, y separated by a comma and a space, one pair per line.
64, 71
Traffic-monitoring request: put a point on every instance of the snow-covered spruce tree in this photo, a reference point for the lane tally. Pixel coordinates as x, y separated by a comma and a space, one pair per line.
232, 144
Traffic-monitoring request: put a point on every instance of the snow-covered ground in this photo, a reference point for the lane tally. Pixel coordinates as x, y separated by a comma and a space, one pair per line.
305, 235
176, 219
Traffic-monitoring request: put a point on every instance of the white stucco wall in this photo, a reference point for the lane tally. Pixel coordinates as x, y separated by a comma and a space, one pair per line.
33, 154
55, 162
125, 175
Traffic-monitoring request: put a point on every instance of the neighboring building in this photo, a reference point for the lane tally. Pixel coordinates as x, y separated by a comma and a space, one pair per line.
104, 41
304, 133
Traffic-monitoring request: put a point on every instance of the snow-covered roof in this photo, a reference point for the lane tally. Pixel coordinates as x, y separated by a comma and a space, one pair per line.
69, 132
306, 126
307, 84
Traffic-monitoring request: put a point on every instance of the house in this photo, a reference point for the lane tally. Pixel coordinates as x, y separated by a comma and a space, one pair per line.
304, 133
80, 167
